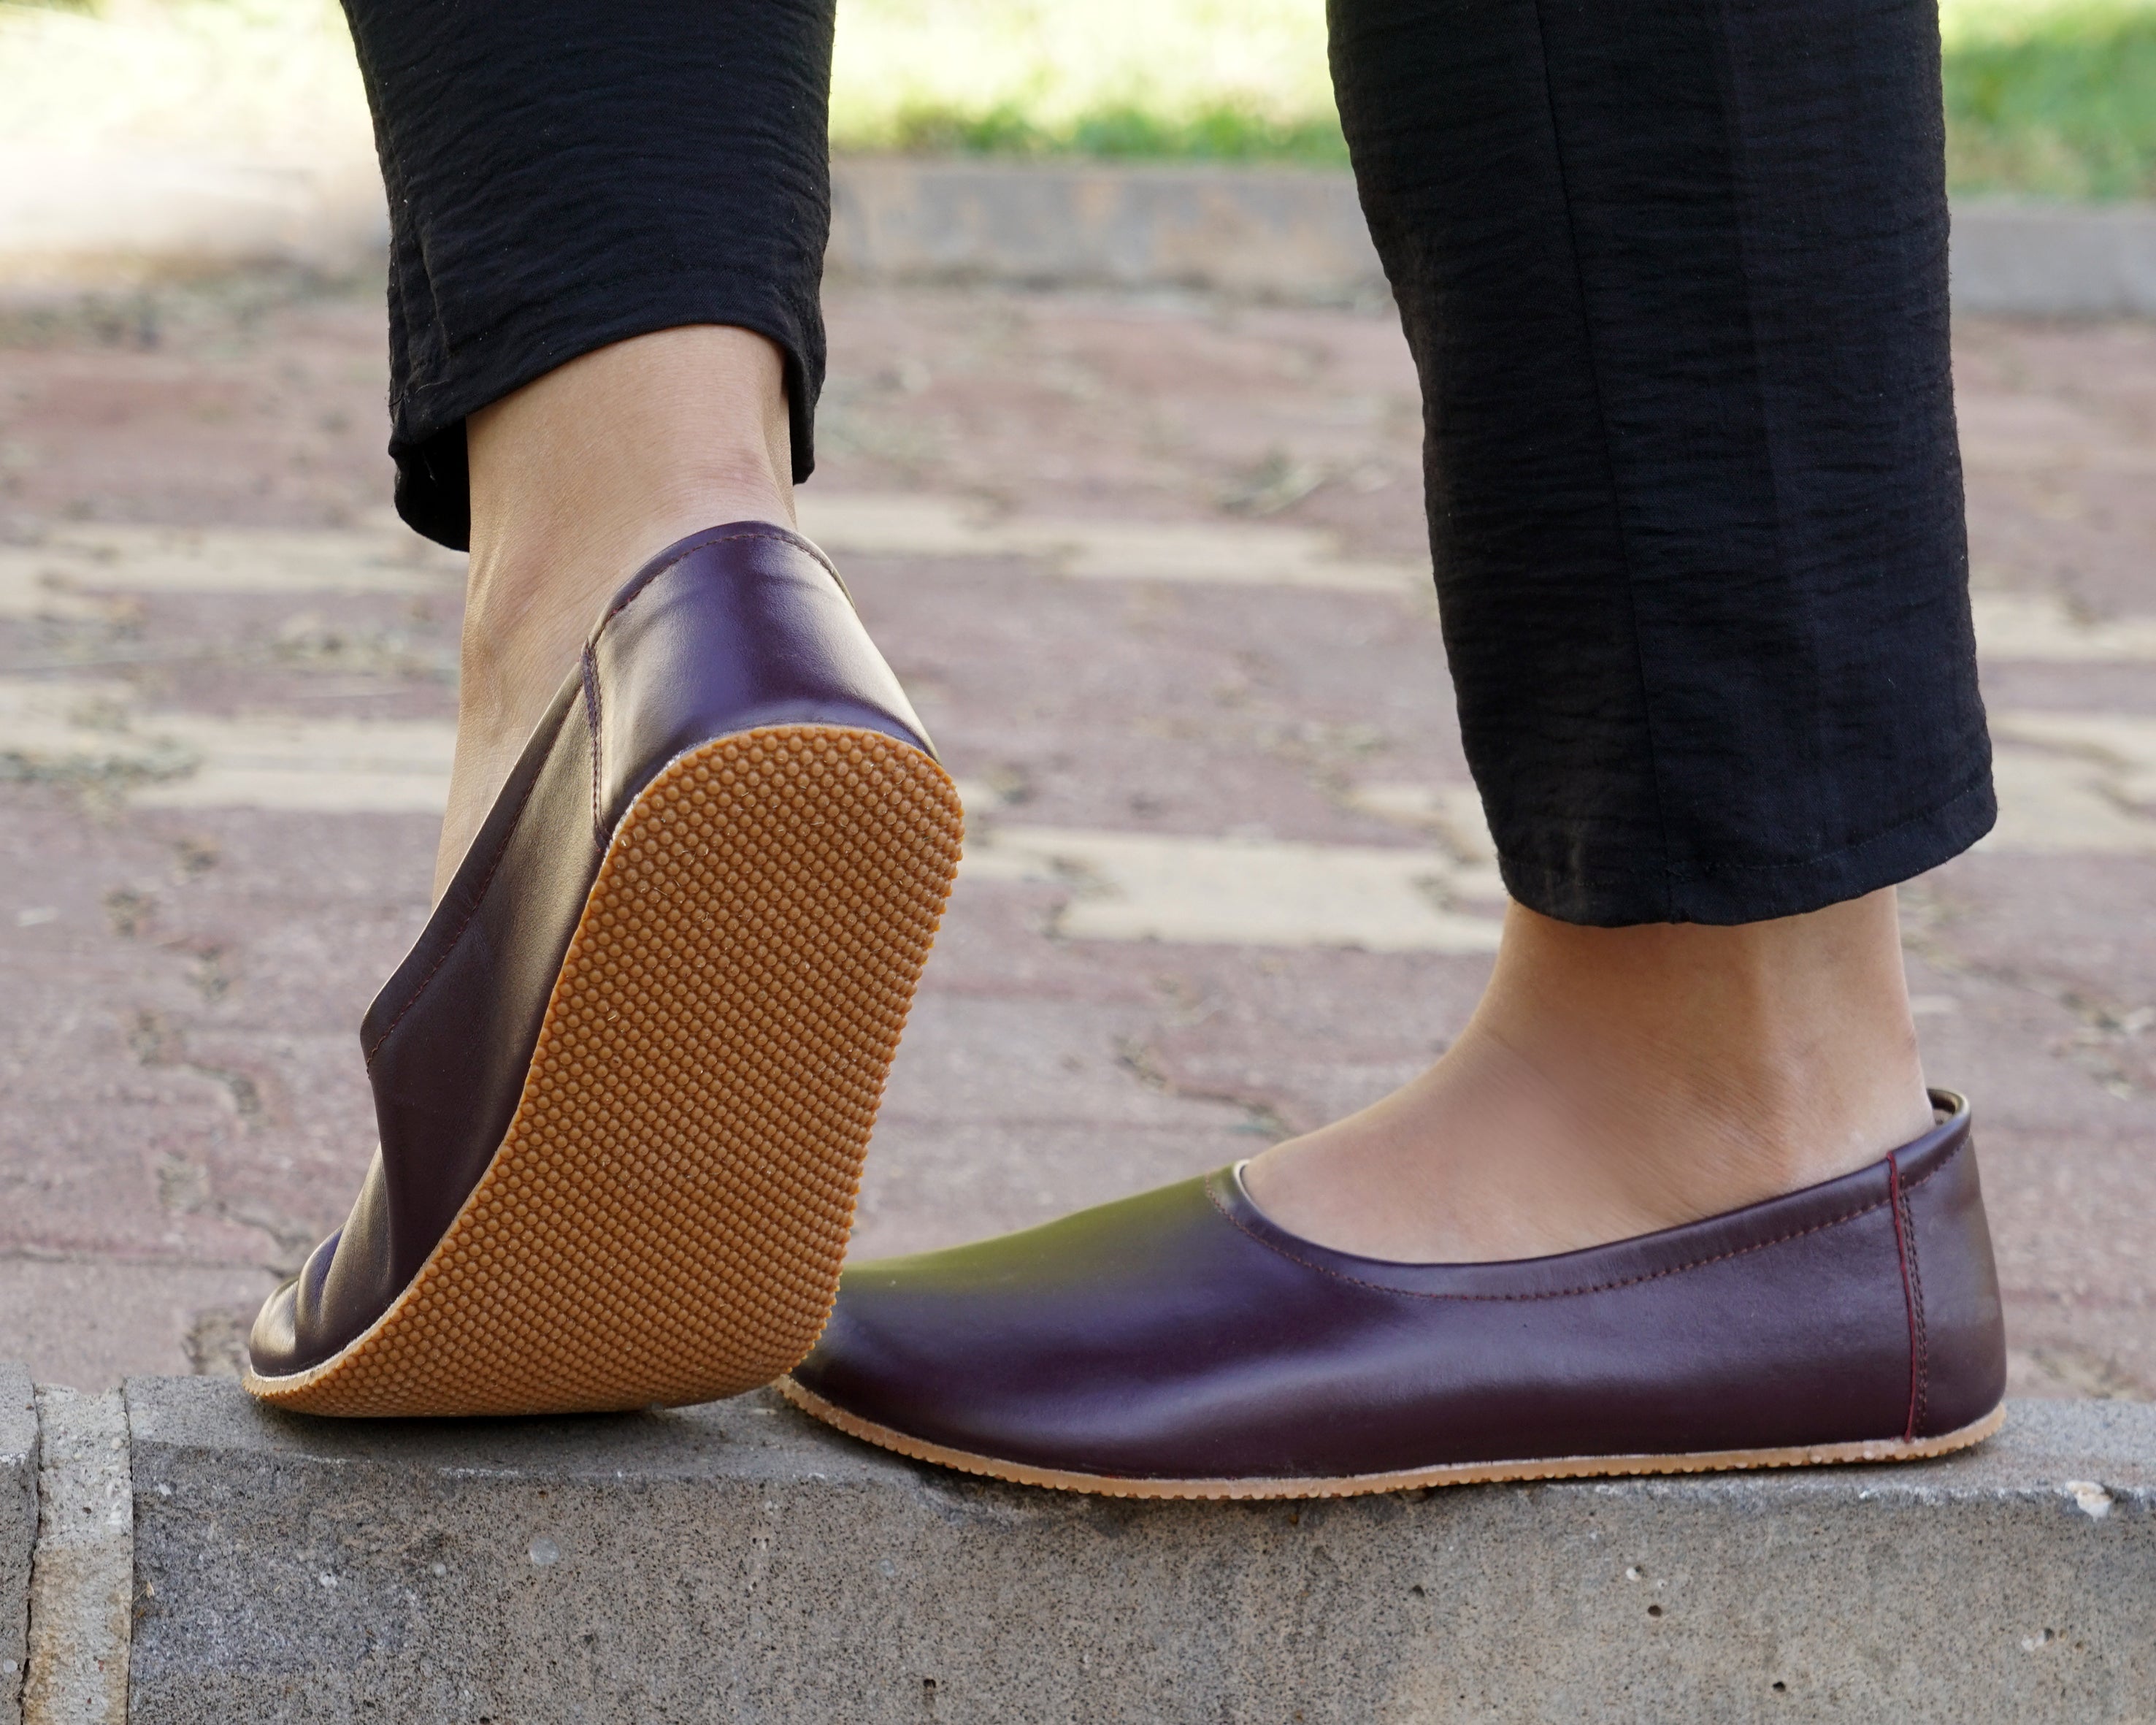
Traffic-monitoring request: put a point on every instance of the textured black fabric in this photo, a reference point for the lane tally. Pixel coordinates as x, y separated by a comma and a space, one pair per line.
1674, 276
562, 174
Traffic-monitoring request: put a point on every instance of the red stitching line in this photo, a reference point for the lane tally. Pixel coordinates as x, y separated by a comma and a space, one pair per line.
592, 719
1923, 1332
1594, 1288
1908, 1294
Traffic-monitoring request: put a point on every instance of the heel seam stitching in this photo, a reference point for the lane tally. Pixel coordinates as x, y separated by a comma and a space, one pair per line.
1905, 1252
592, 721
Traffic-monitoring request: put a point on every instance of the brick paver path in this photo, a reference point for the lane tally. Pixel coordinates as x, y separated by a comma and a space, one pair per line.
1152, 571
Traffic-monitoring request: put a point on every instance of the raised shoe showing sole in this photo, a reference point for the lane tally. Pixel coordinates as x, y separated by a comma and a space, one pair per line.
1180, 1344
662, 1217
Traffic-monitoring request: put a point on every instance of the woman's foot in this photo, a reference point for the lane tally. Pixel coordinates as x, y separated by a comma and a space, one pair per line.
576, 480
626, 1077
697, 849
1677, 1199
1615, 1081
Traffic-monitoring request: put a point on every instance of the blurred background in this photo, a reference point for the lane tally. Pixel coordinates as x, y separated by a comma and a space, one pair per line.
2052, 98
1121, 452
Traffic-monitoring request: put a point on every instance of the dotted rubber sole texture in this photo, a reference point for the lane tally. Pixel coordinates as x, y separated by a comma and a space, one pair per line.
1463, 1473
663, 1222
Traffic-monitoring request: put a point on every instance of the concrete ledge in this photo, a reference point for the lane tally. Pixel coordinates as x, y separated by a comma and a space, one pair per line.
72, 219
737, 1561
2055, 260
82, 1574
1268, 233
18, 1531
1299, 235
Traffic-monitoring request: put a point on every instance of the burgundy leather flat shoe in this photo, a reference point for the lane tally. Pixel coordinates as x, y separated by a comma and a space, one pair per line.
625, 1081
1179, 1344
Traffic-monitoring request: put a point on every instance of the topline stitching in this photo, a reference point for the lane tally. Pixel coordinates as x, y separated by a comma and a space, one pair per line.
781, 538
1596, 1287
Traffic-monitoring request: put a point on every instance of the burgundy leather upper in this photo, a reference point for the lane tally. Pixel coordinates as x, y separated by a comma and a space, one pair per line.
741, 626
1180, 1335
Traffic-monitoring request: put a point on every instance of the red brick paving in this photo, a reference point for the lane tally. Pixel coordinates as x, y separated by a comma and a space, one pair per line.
184, 1110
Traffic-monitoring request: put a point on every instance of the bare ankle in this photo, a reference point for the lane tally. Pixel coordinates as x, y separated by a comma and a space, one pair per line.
576, 480
1616, 1081
1788, 1043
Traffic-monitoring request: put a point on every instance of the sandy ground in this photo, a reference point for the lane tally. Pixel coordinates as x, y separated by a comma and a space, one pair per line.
181, 1108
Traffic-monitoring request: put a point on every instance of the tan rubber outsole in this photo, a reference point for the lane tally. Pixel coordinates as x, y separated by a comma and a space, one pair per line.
664, 1219
1471, 1473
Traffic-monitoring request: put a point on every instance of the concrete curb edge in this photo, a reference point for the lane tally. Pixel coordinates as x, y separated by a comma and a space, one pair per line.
70, 221
288, 1570
18, 1531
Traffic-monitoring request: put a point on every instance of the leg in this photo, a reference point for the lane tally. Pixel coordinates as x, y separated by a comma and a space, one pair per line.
1674, 279
606, 244
697, 842
1675, 282
577, 478
1615, 1081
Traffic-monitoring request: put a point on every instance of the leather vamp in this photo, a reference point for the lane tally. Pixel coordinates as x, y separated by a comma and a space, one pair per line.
1180, 1335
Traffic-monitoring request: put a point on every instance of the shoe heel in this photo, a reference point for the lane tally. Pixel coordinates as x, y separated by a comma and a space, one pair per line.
665, 1220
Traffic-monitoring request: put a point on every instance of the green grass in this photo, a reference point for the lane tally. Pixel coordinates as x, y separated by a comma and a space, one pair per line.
2052, 98
1242, 80
1124, 131
2065, 108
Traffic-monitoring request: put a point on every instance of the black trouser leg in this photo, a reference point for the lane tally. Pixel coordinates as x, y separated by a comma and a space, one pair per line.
562, 174
1675, 279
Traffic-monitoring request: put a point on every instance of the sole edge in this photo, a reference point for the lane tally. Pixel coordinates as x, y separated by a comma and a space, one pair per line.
1467, 1472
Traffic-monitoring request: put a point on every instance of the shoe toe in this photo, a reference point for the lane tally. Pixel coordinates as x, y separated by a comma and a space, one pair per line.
277, 1345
